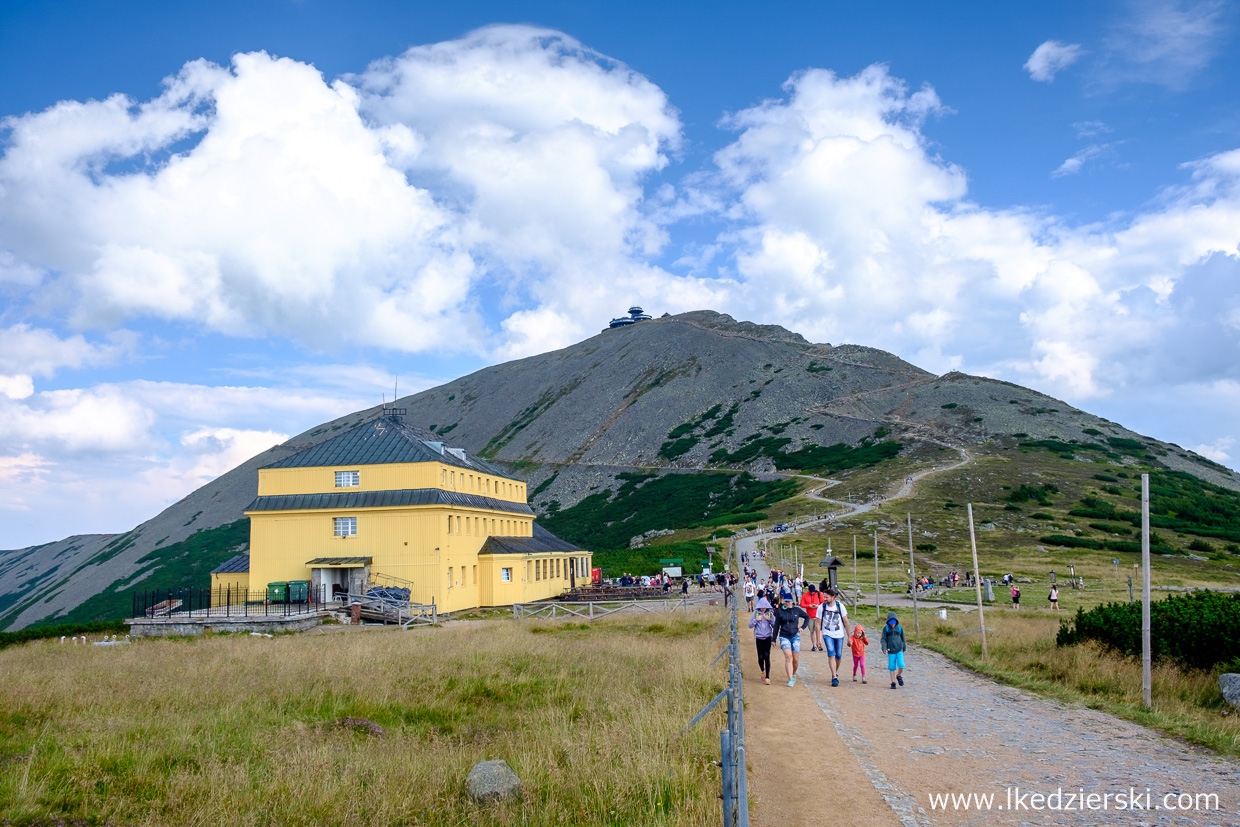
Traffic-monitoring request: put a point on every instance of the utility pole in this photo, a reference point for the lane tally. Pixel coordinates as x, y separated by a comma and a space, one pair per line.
1147, 689
977, 583
912, 572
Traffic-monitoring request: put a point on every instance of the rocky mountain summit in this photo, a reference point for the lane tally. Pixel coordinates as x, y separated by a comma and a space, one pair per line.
682, 393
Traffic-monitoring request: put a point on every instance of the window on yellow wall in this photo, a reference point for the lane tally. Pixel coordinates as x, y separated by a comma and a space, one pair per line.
443, 476
348, 479
505, 575
537, 571
528, 569
474, 581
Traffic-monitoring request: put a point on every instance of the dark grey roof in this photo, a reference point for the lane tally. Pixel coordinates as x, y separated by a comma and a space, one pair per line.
234, 565
339, 561
543, 542
385, 499
385, 440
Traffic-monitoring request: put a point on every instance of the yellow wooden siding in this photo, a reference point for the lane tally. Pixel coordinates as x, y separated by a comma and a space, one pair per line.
388, 477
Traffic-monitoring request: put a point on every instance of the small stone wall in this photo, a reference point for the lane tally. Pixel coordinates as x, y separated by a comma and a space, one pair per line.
169, 627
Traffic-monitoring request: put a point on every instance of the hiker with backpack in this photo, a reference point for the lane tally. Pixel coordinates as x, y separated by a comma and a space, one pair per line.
1015, 597
763, 625
893, 646
835, 629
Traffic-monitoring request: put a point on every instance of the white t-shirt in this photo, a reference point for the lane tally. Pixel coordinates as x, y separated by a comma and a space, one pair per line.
833, 619
749, 588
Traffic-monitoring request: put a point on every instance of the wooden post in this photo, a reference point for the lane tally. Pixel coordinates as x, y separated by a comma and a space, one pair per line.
877, 613
912, 572
856, 587
1147, 699
977, 583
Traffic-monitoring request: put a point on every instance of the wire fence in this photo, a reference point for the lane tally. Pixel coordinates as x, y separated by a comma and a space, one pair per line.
227, 601
735, 792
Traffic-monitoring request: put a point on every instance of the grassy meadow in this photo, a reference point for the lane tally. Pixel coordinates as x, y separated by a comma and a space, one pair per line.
1187, 702
245, 730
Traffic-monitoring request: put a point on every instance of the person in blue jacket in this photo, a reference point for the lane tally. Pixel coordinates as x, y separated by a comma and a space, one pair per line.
892, 644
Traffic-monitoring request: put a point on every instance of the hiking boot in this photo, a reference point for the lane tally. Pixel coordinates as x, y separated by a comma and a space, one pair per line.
893, 685
900, 679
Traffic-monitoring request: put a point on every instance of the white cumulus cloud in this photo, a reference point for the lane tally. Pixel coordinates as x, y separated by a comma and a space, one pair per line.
1049, 58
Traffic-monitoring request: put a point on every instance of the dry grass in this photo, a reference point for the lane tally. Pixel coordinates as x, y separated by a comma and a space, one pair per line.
242, 730
1187, 703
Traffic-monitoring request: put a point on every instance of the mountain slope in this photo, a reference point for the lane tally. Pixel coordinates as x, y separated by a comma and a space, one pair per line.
684, 392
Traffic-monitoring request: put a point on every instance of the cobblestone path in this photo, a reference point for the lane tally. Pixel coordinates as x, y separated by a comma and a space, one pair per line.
949, 731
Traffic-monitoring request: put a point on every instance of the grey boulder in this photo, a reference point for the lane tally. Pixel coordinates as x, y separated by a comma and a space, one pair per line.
493, 781
1229, 685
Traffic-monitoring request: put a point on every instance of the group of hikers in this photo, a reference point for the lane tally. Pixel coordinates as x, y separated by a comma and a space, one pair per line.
786, 606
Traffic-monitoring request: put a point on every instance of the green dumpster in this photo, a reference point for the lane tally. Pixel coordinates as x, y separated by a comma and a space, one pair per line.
276, 592
298, 591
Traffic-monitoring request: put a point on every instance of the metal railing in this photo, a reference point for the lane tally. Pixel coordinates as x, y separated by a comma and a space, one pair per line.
735, 795
391, 604
592, 609
223, 601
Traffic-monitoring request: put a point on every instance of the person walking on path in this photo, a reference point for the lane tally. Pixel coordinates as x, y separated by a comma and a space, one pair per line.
763, 625
857, 643
810, 601
787, 617
750, 590
1053, 597
892, 644
834, 631
1015, 597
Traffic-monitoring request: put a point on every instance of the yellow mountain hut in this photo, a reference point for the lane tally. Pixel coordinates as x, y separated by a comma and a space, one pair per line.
390, 504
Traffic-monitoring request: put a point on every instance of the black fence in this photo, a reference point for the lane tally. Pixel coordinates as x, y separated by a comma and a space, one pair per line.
227, 601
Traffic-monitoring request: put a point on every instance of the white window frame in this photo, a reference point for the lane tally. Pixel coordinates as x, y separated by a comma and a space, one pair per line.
348, 479
345, 526
505, 575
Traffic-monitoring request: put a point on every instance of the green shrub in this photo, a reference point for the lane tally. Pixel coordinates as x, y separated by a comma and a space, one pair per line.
1041, 515
1201, 545
949, 406
1040, 494
1195, 630
927, 547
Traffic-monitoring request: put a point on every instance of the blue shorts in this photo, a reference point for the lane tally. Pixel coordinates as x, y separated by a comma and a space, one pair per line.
895, 660
835, 646
794, 644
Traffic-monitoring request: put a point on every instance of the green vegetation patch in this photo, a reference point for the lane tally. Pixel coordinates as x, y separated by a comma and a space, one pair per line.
111, 627
645, 501
1178, 502
1196, 630
184, 564
1028, 493
811, 458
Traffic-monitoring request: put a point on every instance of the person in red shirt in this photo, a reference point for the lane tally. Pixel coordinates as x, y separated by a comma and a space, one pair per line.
810, 601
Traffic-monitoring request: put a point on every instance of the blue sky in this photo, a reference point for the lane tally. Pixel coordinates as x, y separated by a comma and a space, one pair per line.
222, 223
